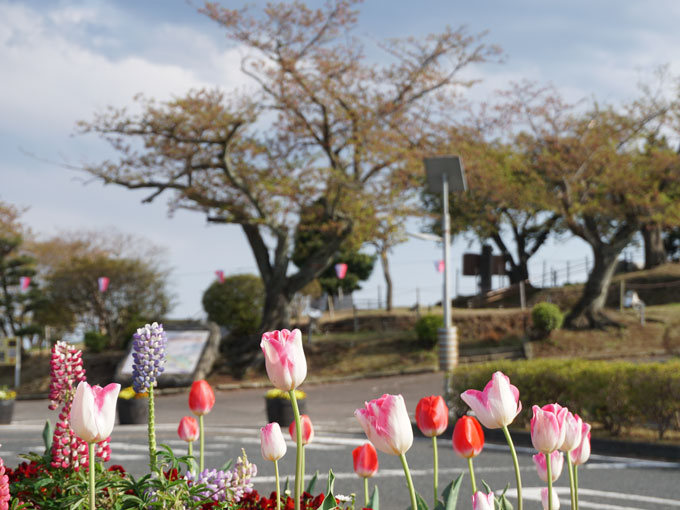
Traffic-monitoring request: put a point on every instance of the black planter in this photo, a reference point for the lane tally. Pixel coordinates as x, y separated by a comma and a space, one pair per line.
133, 411
6, 411
280, 410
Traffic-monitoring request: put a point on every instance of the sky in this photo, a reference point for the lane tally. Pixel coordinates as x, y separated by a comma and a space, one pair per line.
62, 61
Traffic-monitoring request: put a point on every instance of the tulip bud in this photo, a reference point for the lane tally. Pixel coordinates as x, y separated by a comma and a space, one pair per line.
365, 460
272, 443
284, 358
572, 432
94, 411
547, 427
468, 437
496, 406
188, 429
201, 398
307, 430
386, 423
481, 501
556, 464
432, 416
581, 453
553, 496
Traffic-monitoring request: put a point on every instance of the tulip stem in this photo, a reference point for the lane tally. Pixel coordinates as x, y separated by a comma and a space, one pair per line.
90, 447
549, 469
518, 476
202, 439
436, 468
298, 452
572, 493
365, 491
302, 478
152, 431
191, 449
409, 481
576, 487
278, 485
472, 476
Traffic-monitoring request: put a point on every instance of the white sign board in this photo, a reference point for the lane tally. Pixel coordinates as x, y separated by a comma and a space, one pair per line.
183, 352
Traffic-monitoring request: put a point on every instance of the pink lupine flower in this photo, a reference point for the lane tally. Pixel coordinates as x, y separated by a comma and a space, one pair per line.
556, 465
4, 487
94, 411
66, 371
481, 501
581, 453
553, 496
498, 405
572, 432
547, 427
284, 358
386, 423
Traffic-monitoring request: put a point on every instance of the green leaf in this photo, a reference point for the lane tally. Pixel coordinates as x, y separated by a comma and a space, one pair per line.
503, 503
420, 502
487, 487
312, 483
227, 465
329, 501
450, 494
374, 500
47, 434
286, 486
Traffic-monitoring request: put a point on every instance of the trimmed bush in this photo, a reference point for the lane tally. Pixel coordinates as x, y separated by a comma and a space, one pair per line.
546, 317
236, 304
613, 395
95, 341
426, 329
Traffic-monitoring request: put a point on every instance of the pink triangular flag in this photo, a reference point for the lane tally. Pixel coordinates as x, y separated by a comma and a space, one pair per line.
103, 282
220, 275
439, 266
341, 270
24, 281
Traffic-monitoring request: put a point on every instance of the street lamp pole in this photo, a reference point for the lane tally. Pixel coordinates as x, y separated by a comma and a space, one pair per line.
446, 230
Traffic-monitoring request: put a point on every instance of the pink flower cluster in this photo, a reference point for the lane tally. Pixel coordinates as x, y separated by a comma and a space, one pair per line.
68, 450
67, 371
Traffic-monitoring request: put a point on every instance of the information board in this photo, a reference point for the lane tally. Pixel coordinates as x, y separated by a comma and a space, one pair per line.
8, 351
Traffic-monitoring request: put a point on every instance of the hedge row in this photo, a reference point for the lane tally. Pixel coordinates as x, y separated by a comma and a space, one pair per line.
612, 394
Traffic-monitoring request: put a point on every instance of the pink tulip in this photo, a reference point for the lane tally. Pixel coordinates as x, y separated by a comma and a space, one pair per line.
386, 423
188, 429
307, 430
94, 411
581, 453
365, 460
481, 501
497, 405
544, 499
556, 464
284, 358
272, 443
547, 427
572, 432
432, 416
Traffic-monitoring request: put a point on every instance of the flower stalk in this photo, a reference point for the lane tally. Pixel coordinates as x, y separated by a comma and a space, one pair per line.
298, 452
550, 482
435, 475
152, 431
91, 467
409, 481
473, 482
518, 476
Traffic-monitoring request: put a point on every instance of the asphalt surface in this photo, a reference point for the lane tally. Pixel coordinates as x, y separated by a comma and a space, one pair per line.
612, 481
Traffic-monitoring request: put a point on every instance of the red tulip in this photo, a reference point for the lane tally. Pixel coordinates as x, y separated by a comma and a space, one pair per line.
468, 437
307, 429
188, 429
432, 416
201, 398
365, 460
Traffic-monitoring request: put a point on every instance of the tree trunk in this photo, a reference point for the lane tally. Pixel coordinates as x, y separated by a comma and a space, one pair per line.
588, 311
276, 312
388, 277
655, 251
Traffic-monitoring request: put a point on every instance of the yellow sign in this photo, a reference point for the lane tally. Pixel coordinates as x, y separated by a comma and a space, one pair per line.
8, 351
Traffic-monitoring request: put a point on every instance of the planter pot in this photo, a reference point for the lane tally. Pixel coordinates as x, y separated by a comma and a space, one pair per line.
133, 411
6, 411
280, 410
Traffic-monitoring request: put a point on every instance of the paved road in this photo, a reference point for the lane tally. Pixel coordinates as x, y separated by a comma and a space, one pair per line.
607, 482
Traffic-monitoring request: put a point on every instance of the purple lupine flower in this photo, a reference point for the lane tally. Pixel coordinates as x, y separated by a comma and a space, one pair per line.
148, 356
230, 485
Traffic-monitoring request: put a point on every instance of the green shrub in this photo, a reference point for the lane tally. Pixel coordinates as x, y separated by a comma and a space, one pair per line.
613, 395
546, 317
95, 341
426, 329
236, 304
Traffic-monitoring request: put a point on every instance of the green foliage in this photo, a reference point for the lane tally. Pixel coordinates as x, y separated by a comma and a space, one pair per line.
611, 395
95, 341
546, 317
426, 329
236, 304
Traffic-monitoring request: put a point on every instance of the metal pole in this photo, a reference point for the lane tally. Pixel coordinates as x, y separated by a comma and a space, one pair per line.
522, 296
446, 227
17, 366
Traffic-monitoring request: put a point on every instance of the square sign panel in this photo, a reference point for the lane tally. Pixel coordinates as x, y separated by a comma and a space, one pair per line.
452, 166
184, 350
